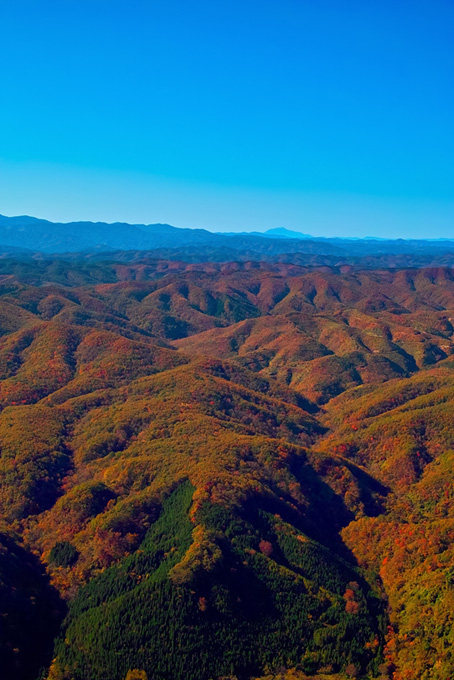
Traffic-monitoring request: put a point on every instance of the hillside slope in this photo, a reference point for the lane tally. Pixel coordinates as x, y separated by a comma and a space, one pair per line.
226, 471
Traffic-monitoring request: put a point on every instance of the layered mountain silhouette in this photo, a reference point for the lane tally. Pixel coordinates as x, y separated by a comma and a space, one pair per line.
28, 236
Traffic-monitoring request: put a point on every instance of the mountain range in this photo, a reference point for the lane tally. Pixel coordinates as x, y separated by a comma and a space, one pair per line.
225, 470
31, 237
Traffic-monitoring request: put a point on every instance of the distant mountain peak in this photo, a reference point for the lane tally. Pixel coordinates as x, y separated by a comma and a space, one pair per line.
282, 232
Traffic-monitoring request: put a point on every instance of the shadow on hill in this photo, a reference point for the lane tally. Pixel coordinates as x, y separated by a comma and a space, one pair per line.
31, 612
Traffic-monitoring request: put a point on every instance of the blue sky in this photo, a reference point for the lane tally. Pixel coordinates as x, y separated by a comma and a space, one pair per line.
331, 117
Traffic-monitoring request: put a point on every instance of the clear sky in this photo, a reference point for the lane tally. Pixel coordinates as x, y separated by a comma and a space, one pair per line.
332, 117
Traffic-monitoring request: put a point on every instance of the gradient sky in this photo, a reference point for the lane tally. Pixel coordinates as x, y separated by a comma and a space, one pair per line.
332, 117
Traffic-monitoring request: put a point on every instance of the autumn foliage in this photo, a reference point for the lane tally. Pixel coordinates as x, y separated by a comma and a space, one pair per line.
227, 471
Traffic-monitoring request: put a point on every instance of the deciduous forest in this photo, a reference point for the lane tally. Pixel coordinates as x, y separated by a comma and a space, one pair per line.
225, 471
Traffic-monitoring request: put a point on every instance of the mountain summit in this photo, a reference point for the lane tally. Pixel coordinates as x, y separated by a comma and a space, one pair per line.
282, 232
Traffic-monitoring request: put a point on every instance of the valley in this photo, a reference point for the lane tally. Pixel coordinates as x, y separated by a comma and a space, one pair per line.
226, 470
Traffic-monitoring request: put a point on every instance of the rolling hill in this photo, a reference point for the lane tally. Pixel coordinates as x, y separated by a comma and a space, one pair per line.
225, 470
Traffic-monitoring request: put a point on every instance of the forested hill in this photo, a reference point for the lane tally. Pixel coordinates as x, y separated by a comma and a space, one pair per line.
239, 470
27, 237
